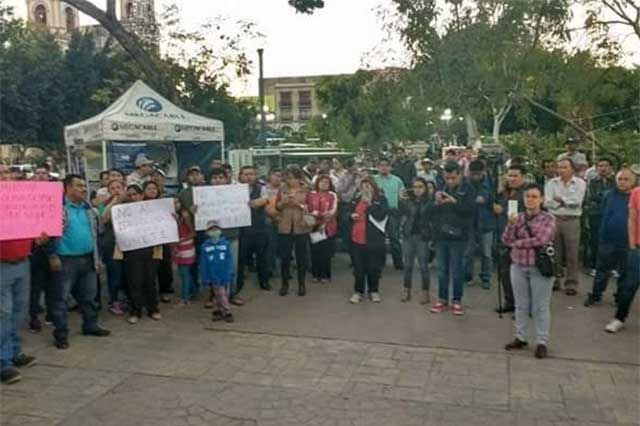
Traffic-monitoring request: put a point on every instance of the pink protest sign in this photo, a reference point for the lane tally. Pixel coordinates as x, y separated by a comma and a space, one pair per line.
28, 209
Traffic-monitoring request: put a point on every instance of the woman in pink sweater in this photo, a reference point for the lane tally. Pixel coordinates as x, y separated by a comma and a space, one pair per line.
322, 203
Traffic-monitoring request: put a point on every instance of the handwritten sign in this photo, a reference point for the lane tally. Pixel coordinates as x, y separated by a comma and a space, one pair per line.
28, 209
144, 224
228, 204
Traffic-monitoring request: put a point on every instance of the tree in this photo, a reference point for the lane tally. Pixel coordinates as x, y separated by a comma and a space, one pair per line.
607, 13
476, 54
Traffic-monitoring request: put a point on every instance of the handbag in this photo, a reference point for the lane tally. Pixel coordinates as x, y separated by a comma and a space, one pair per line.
545, 257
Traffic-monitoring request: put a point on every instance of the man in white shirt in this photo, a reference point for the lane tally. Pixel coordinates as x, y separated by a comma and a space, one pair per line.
563, 198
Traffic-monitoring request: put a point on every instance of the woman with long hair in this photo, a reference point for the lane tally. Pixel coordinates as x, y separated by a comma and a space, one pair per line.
294, 225
323, 205
369, 215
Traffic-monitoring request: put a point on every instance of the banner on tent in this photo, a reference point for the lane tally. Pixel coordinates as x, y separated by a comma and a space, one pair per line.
30, 209
145, 224
227, 204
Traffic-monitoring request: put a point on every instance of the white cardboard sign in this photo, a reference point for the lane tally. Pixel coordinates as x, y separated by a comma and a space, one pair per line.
227, 204
144, 224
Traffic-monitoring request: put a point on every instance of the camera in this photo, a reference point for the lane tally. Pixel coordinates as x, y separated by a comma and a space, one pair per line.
550, 251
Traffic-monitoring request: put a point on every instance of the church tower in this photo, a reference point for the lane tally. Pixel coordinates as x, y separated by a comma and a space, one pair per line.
57, 16
137, 10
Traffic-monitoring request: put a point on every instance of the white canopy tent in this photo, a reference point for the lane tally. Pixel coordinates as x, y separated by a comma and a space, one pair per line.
139, 115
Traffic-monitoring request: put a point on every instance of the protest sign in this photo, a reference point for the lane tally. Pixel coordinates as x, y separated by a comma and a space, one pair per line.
144, 224
29, 209
228, 204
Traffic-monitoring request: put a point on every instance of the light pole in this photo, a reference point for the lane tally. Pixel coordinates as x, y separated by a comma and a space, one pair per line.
263, 121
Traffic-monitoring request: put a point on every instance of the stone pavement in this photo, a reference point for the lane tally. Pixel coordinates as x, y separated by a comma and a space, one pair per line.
320, 361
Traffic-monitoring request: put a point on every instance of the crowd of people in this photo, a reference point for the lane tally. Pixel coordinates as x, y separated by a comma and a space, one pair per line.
443, 215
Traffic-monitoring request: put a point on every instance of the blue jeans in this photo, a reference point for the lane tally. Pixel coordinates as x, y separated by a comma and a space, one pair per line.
14, 304
78, 278
630, 285
484, 240
532, 292
187, 281
450, 258
609, 258
115, 272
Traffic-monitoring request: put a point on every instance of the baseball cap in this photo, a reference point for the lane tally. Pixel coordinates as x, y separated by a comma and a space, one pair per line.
427, 160
213, 224
142, 160
194, 169
160, 172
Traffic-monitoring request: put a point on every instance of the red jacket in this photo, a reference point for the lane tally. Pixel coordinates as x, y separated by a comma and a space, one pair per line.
322, 202
14, 250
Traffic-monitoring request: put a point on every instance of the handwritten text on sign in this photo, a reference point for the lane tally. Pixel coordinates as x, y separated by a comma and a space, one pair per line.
228, 204
144, 224
28, 209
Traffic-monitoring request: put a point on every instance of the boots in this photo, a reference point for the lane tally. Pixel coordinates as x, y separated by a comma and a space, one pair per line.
284, 289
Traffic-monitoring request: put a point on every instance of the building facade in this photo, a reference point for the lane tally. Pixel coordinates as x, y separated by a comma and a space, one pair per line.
294, 99
63, 20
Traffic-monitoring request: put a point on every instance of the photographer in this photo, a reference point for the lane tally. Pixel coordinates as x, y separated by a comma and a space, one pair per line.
525, 234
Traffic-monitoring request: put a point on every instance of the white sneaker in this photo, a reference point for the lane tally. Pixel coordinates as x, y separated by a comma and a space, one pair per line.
592, 273
614, 326
356, 298
132, 320
156, 316
375, 298
615, 274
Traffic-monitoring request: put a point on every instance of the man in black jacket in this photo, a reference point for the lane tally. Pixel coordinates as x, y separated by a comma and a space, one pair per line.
404, 168
454, 206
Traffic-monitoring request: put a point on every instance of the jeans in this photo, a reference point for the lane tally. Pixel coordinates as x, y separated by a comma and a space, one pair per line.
368, 263
300, 244
14, 304
321, 256
272, 248
567, 244
484, 240
630, 285
532, 291
41, 281
77, 277
609, 258
187, 281
450, 258
250, 243
393, 232
115, 275
414, 246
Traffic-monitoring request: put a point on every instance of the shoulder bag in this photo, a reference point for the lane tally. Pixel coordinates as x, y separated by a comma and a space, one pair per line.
545, 256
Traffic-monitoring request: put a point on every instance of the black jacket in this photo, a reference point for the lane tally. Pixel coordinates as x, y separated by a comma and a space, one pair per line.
417, 213
379, 210
454, 221
405, 170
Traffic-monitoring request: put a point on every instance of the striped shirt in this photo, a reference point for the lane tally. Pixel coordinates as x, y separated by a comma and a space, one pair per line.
184, 252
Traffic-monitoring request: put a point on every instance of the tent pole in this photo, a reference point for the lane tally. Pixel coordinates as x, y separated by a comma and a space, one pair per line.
104, 155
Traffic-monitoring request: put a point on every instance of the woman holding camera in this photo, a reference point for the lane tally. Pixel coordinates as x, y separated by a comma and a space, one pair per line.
526, 234
369, 214
416, 205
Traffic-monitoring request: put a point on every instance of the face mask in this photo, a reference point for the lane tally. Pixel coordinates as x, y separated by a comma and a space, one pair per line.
214, 233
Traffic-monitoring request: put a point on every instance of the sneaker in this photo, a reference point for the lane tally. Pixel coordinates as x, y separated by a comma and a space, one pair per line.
375, 297
406, 295
516, 344
208, 305
217, 316
615, 274
614, 326
439, 308
62, 344
426, 298
228, 318
457, 309
541, 351
469, 283
165, 298
592, 273
116, 308
486, 285
571, 291
591, 300
24, 360
10, 375
98, 332
133, 319
356, 298
156, 316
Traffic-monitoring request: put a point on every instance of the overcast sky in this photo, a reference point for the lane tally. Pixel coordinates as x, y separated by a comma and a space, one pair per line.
331, 41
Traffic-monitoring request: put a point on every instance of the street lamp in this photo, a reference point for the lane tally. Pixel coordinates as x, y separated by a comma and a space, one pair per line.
263, 124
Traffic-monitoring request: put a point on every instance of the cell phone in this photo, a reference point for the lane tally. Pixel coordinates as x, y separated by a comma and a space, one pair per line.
512, 208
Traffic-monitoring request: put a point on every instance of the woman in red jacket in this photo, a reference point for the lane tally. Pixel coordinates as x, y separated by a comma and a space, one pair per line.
322, 203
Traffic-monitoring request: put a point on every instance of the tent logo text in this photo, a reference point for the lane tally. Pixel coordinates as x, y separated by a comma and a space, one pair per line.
149, 104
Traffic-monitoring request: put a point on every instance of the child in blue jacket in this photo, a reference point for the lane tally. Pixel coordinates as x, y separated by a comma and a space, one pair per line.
216, 270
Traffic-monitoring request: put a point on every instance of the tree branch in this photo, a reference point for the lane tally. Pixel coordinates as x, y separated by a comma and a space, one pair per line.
111, 9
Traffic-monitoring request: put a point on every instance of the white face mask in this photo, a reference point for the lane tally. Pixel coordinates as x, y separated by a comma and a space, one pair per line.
214, 233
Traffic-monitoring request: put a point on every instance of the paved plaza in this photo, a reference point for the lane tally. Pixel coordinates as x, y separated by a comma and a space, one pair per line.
320, 361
